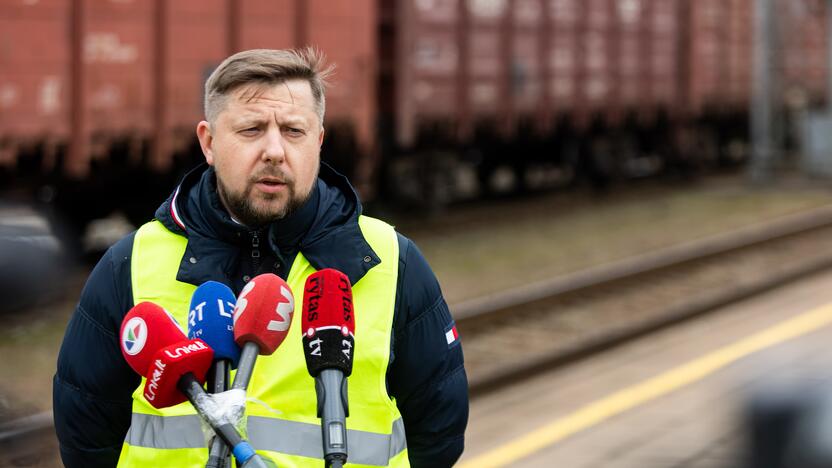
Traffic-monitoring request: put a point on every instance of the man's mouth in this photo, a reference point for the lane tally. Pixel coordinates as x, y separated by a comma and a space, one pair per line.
270, 184
271, 181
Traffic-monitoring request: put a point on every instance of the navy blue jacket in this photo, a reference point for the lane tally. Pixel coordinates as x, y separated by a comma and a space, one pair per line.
93, 385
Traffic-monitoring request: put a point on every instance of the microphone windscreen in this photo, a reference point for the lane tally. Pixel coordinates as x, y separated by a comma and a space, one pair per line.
145, 329
264, 312
169, 364
328, 322
211, 319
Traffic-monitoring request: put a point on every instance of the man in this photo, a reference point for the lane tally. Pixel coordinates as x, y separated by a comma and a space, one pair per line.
265, 203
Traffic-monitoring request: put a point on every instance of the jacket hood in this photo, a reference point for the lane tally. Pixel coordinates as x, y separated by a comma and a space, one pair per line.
325, 229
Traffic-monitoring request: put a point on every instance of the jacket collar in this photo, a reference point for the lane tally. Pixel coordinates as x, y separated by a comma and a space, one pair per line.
325, 230
334, 239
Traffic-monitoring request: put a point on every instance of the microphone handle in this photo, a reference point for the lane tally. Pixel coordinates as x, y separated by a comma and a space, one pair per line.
218, 379
193, 390
218, 376
242, 450
258, 462
248, 357
331, 388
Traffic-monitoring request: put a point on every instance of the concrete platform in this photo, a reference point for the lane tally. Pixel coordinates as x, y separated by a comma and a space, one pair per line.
626, 408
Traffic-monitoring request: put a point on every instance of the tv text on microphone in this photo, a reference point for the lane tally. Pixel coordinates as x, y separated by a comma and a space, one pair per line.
328, 325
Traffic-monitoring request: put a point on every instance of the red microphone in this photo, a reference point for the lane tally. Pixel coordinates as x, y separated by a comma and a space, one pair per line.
262, 317
155, 347
328, 322
146, 329
185, 360
175, 367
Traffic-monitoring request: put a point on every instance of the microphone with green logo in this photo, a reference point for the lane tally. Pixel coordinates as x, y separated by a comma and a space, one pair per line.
155, 347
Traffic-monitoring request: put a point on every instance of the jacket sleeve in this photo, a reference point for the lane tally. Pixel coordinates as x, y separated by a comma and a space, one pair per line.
92, 388
426, 374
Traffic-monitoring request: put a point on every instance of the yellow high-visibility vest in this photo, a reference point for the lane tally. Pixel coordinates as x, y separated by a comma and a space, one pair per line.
281, 408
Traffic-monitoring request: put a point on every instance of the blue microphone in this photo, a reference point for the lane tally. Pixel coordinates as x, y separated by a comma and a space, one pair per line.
211, 319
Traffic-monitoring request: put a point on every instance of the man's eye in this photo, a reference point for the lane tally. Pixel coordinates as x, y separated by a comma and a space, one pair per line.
250, 131
294, 131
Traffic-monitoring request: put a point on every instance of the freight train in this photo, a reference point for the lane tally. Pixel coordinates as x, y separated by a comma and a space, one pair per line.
432, 100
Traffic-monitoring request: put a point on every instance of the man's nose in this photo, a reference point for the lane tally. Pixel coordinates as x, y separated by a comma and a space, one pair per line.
273, 151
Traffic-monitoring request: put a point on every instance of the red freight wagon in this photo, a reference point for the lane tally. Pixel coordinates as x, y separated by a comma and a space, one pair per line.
197, 39
600, 80
708, 27
629, 57
563, 52
33, 70
589, 87
525, 86
103, 90
423, 62
662, 60
123, 40
596, 83
740, 45
485, 60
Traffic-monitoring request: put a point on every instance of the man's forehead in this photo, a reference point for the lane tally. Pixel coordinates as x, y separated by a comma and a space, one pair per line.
288, 94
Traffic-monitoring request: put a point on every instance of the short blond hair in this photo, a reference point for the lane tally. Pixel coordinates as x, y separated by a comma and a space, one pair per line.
267, 66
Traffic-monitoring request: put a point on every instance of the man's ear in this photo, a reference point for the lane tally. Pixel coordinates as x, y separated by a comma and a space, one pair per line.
321, 138
206, 140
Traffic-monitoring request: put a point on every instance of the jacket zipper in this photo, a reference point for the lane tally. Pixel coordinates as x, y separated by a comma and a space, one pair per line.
255, 251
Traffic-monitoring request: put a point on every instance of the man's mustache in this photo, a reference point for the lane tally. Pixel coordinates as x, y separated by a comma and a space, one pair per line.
272, 173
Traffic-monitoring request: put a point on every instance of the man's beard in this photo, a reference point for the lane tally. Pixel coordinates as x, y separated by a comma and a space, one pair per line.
244, 210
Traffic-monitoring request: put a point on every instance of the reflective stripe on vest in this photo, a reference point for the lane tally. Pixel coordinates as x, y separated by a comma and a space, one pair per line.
282, 421
276, 435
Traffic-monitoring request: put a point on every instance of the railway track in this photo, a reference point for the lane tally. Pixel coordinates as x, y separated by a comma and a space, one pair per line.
29, 442
513, 334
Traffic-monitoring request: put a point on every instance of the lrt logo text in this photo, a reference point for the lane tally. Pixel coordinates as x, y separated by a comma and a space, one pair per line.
153, 382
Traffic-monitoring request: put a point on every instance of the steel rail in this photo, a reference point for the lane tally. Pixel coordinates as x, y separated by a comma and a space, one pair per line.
493, 306
645, 263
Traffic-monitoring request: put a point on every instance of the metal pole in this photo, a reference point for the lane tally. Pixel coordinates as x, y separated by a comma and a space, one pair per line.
403, 73
829, 57
161, 160
233, 15
465, 124
762, 111
78, 164
507, 91
301, 23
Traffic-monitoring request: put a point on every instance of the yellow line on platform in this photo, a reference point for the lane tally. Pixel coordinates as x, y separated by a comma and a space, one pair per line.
650, 389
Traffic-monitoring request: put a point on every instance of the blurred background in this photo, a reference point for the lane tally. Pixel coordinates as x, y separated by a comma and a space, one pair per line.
553, 159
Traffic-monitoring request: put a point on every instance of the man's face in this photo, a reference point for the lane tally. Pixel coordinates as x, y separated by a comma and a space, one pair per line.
265, 147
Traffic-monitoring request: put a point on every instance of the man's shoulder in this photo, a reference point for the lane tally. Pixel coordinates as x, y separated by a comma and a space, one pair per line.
116, 260
406, 245
120, 254
121, 251
107, 294
411, 257
417, 284
372, 222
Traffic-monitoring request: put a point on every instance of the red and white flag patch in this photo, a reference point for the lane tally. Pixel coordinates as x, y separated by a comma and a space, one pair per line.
451, 335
